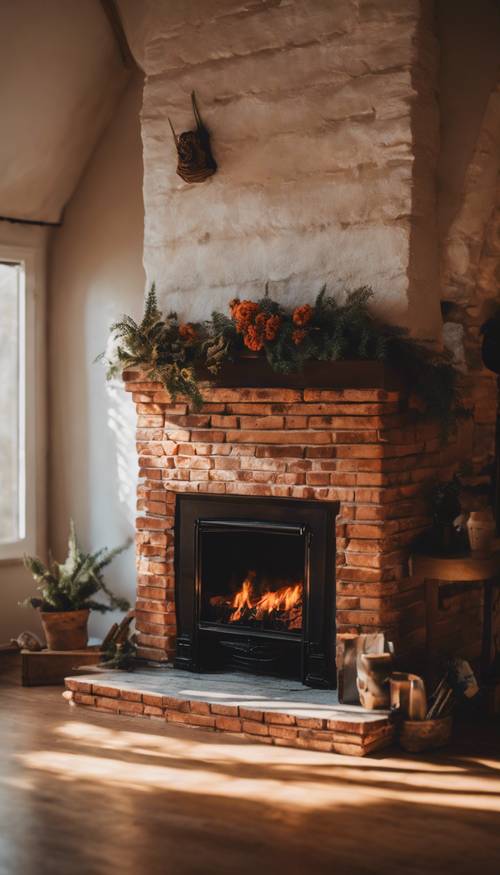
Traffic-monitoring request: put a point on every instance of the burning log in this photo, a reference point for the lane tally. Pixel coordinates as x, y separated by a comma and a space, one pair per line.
283, 605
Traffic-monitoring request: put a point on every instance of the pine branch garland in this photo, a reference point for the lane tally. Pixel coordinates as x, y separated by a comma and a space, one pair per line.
170, 352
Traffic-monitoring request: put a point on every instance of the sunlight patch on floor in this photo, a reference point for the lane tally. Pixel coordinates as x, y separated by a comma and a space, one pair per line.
230, 748
274, 790
285, 777
206, 782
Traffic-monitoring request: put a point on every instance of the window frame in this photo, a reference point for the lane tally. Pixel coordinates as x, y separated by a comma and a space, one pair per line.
26, 257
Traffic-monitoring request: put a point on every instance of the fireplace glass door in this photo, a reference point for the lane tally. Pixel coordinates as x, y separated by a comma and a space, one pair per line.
255, 586
252, 577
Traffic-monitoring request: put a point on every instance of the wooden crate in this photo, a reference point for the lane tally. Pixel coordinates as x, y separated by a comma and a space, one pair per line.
50, 667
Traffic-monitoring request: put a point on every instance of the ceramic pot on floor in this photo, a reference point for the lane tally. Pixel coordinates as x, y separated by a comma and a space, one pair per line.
65, 630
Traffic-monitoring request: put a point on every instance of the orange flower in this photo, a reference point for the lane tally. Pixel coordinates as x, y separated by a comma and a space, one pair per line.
273, 324
233, 304
188, 332
253, 339
302, 315
298, 335
244, 313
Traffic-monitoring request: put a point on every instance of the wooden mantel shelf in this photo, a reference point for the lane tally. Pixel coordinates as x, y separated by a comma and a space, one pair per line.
249, 371
460, 568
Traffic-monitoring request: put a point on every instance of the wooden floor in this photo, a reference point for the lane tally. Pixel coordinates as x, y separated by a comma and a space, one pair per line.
84, 793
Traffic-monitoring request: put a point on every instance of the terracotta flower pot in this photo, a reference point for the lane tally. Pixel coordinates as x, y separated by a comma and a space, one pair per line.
65, 630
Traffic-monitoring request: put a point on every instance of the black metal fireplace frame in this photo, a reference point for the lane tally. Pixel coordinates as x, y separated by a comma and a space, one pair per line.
314, 520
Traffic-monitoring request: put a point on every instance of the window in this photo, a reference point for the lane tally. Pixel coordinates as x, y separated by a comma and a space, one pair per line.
16, 396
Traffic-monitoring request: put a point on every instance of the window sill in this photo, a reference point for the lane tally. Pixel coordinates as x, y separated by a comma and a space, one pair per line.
12, 554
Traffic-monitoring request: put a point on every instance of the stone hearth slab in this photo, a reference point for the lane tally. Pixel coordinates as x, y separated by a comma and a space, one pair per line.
270, 710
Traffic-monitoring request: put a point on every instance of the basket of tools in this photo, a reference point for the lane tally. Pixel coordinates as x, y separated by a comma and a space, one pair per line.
427, 724
419, 735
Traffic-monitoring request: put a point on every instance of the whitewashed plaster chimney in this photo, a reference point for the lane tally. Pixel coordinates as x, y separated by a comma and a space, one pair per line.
324, 127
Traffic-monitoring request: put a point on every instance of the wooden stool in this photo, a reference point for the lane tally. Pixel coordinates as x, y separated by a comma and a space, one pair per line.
465, 569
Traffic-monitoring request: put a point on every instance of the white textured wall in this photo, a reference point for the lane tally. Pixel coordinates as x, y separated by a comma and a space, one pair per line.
61, 75
311, 107
96, 274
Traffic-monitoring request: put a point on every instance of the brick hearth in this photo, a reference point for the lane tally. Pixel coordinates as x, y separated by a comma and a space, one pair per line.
262, 709
365, 448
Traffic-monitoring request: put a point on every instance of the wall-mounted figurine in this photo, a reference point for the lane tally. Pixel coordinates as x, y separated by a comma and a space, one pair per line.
196, 162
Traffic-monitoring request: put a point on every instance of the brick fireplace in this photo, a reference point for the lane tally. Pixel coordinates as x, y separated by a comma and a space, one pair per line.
347, 467
326, 129
365, 449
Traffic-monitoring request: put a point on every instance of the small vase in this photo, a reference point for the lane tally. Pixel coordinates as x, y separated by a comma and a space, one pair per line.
408, 695
481, 530
65, 630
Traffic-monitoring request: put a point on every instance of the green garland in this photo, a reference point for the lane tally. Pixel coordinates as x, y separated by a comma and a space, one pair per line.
171, 352
163, 347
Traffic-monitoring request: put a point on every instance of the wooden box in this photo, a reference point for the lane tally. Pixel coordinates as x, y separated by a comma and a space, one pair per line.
50, 667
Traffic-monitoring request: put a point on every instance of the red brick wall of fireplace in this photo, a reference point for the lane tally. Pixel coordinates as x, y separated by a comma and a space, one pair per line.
365, 448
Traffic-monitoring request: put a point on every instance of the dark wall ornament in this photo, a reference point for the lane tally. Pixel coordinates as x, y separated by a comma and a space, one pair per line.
195, 160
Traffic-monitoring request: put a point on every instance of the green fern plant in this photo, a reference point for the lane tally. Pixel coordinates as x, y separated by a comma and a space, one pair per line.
71, 585
156, 344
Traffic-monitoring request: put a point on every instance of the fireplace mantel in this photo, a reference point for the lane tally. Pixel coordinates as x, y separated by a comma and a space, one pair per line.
252, 369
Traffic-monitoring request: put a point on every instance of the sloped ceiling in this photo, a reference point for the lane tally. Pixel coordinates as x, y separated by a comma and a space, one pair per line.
61, 75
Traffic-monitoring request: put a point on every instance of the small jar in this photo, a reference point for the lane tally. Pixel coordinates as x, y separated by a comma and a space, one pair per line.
481, 531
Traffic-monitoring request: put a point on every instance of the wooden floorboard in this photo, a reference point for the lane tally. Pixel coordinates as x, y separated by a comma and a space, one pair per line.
83, 793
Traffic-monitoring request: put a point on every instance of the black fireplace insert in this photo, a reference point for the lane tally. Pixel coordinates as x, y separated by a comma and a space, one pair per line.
255, 586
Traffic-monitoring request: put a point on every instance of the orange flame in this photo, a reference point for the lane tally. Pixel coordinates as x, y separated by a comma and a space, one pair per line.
287, 600
283, 599
242, 600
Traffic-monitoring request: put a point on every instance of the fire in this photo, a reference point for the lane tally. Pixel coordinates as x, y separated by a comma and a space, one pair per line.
283, 599
285, 603
243, 599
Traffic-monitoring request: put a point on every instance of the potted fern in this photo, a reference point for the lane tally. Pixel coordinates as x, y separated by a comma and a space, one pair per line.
67, 593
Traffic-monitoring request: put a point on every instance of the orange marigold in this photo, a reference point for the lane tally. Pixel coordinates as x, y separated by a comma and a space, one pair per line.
273, 324
244, 313
188, 332
298, 335
253, 339
302, 315
260, 321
